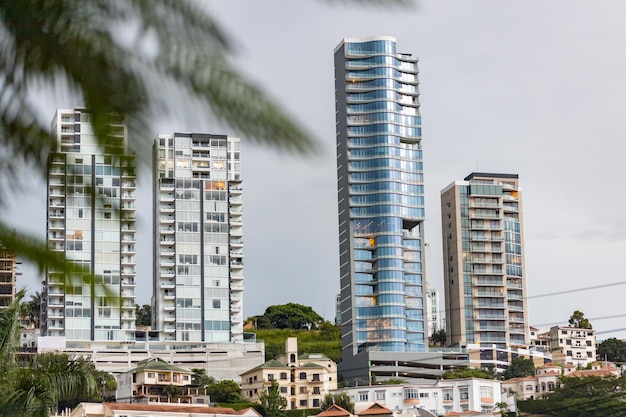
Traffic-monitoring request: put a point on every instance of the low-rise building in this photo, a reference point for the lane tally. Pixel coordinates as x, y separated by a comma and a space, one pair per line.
499, 358
153, 410
156, 381
566, 344
439, 397
303, 379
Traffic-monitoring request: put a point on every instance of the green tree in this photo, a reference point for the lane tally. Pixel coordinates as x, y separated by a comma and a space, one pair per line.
272, 402
485, 373
225, 391
438, 338
577, 319
329, 331
173, 392
582, 397
36, 389
519, 367
200, 378
342, 400
143, 315
292, 316
613, 350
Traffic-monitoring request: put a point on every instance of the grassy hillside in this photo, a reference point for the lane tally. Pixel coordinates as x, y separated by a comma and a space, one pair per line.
309, 341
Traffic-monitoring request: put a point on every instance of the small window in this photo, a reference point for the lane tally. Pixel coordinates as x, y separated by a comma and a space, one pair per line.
270, 377
283, 375
303, 375
283, 390
150, 374
363, 396
303, 403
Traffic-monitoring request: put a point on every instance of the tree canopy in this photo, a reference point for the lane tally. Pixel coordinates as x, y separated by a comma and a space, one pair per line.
341, 399
577, 319
272, 402
225, 391
292, 316
519, 367
613, 350
588, 396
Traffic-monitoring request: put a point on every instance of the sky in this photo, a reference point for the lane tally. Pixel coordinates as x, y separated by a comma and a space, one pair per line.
530, 87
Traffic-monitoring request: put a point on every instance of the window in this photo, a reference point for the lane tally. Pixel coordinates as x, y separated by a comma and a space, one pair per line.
423, 395
302, 403
150, 374
316, 402
316, 390
529, 387
410, 394
283, 390
568, 353
316, 377
270, 377
447, 394
363, 396
379, 395
486, 392
302, 390
283, 375
463, 394
303, 375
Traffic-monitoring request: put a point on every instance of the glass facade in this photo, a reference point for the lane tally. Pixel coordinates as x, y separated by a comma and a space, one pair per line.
381, 202
199, 250
91, 219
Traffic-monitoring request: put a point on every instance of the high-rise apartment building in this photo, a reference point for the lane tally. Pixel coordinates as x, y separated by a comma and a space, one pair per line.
8, 274
483, 250
90, 219
198, 245
381, 197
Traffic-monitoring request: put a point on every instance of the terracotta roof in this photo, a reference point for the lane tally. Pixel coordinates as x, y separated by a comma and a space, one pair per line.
588, 372
334, 411
170, 408
525, 378
375, 410
548, 365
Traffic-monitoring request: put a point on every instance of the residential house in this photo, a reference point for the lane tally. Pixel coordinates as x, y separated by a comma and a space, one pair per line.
153, 410
154, 380
303, 379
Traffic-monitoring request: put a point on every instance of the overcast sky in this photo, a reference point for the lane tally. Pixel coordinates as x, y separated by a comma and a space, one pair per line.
534, 88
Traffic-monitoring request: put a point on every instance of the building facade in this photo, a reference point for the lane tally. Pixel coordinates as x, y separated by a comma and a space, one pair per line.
438, 398
91, 220
381, 198
198, 243
8, 275
483, 251
303, 380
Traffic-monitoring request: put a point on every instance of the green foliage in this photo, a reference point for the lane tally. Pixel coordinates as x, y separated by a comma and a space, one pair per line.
143, 315
48, 380
391, 381
438, 338
328, 331
292, 316
582, 397
484, 373
172, 391
225, 391
520, 367
273, 403
341, 399
200, 378
577, 319
613, 350
308, 341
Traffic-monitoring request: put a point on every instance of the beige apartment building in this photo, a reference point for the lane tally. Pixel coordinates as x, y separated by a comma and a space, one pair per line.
8, 273
303, 379
484, 271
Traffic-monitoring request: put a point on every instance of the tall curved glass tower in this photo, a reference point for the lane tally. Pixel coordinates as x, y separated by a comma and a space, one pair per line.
380, 196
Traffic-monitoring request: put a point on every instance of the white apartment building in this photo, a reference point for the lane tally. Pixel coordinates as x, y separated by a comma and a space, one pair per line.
437, 397
91, 220
572, 345
198, 245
